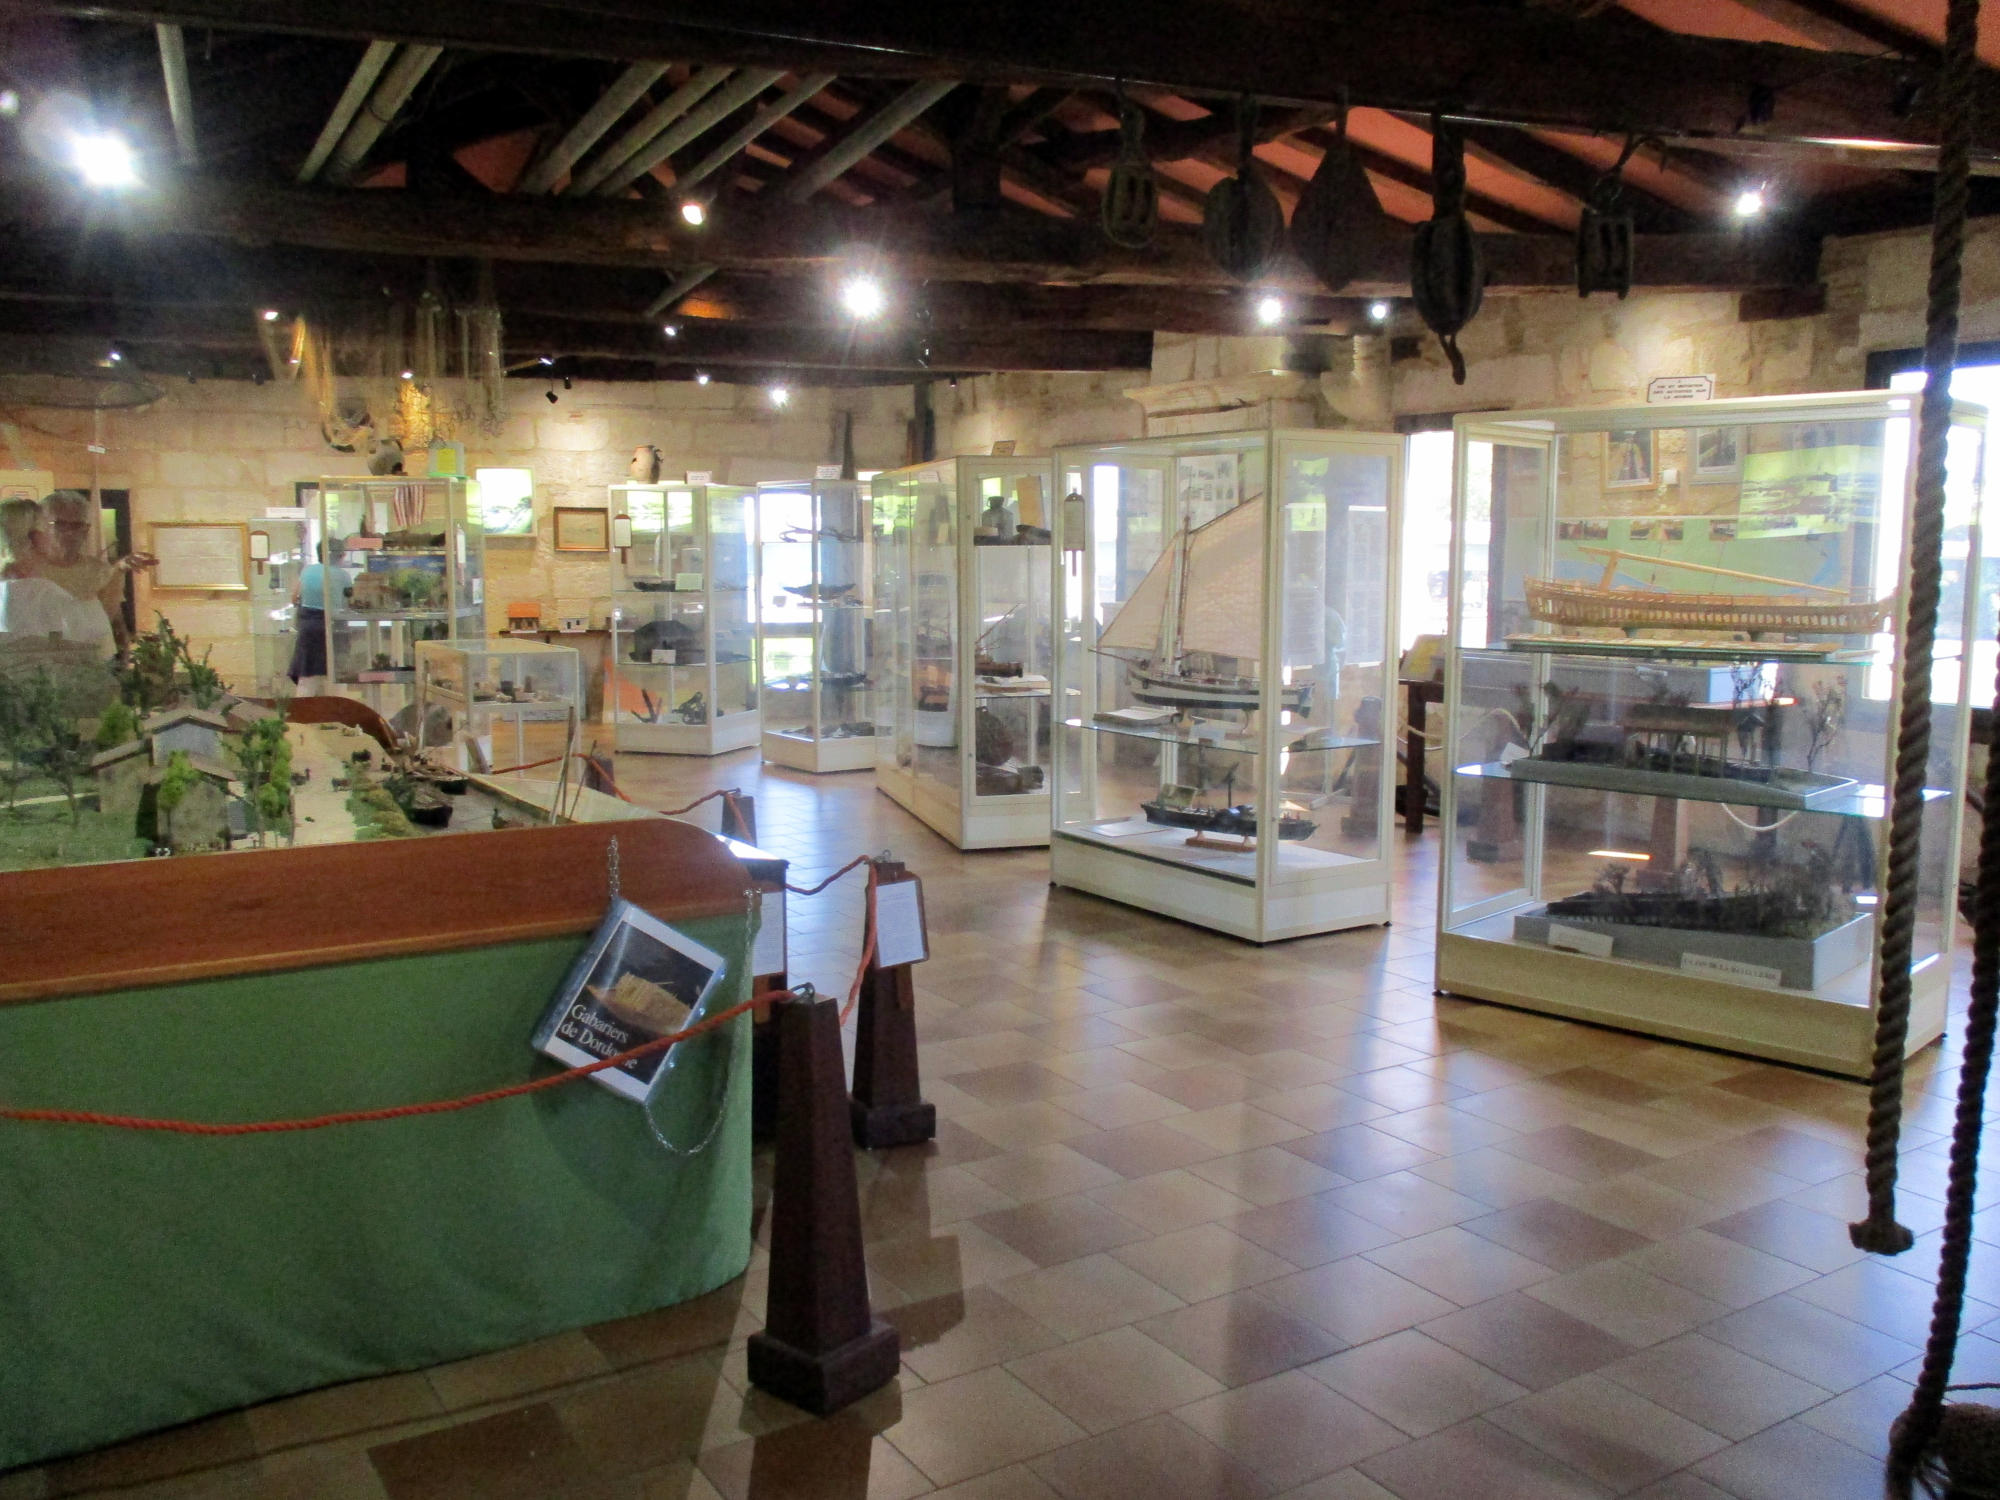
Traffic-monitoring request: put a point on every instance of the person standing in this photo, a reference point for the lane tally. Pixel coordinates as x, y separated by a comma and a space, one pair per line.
317, 594
75, 558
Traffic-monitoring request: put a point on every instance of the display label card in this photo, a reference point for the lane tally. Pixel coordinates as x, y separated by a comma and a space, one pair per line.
826, 471
1004, 447
700, 476
1580, 940
286, 513
687, 583
899, 924
1667, 390
663, 656
638, 980
768, 957
1755, 975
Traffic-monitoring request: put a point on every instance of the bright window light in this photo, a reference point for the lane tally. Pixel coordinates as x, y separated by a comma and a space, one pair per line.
1270, 312
103, 160
862, 297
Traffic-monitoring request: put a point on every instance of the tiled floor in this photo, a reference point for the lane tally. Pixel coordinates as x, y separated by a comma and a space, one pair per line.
1205, 1220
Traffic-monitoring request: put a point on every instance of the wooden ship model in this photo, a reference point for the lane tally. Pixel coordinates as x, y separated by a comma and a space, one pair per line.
1605, 605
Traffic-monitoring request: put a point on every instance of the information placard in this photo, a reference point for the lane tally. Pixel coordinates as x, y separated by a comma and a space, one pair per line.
1580, 940
212, 556
900, 937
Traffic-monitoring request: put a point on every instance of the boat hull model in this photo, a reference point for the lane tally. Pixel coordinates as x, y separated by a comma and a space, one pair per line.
1603, 605
1240, 821
1187, 690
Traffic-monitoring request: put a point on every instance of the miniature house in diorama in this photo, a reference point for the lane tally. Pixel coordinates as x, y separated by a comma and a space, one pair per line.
524, 617
185, 806
121, 774
193, 730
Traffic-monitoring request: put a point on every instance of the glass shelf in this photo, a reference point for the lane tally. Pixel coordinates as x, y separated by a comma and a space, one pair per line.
1316, 744
1863, 801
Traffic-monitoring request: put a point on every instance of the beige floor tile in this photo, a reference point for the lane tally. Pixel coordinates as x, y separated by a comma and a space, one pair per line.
1723, 1389
1240, 1337
1202, 1262
1459, 1265
934, 1265
1167, 1201
975, 1423
1018, 1127
1612, 1434
1477, 1459
1119, 1104
1266, 1175
1631, 1202
1493, 1177
1719, 1269
1309, 1231
1355, 1300
1235, 1127
1290, 1428
1414, 1382
545, 1365
1628, 1303
1087, 1296
956, 1334
1407, 1203
1792, 1459
1321, 1106
1052, 1171
1160, 1458
1531, 1343
1113, 1378
1811, 1343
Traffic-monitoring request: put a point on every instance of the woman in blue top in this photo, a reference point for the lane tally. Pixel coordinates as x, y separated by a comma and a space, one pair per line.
319, 591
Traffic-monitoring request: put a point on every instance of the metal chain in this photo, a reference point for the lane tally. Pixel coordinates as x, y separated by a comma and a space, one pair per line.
1880, 1232
611, 868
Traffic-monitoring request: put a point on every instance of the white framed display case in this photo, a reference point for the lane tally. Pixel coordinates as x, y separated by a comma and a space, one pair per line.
1671, 690
681, 675
288, 544
964, 644
498, 704
412, 553
814, 620
1227, 656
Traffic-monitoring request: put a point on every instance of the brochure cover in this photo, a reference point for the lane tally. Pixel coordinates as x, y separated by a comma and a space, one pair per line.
639, 979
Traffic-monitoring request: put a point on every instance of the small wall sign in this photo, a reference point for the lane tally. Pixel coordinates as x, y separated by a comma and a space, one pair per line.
1668, 390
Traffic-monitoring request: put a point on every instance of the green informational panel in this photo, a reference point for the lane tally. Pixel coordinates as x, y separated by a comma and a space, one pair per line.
147, 1279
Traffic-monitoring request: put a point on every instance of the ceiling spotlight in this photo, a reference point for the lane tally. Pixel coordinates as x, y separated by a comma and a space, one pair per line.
863, 297
550, 396
1378, 311
409, 374
10, 102
269, 315
671, 330
114, 356
546, 360
566, 383
103, 160
701, 377
693, 213
1749, 203
780, 396
1270, 312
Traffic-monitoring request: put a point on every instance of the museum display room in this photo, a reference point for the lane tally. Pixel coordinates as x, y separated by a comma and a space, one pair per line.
1671, 683
816, 690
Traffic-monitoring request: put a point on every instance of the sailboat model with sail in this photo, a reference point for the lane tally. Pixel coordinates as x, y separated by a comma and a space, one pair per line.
1202, 598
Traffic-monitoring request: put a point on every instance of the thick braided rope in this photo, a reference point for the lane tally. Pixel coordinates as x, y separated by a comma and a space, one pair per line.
1880, 1232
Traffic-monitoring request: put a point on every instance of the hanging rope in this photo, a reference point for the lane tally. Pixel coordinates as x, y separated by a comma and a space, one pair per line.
1880, 1232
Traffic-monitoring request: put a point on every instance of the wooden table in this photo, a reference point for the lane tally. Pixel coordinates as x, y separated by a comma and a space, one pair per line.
1418, 695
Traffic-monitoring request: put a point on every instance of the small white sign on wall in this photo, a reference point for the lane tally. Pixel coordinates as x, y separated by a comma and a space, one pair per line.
1668, 390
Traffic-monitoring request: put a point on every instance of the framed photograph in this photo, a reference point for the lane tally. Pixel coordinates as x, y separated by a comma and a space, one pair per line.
506, 501
205, 556
1207, 484
1718, 453
582, 529
1628, 458
639, 980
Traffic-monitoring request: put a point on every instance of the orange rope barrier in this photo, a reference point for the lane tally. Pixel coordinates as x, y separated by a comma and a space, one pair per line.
533, 765
675, 812
813, 890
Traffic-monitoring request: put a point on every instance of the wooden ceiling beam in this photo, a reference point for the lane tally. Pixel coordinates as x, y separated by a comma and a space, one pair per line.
1521, 152
1532, 65
776, 238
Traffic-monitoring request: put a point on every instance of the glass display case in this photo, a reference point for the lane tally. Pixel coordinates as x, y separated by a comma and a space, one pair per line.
1671, 693
963, 646
814, 620
286, 544
681, 678
500, 704
411, 556
1228, 648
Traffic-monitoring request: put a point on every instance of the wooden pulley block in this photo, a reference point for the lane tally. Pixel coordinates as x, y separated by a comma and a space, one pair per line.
1131, 205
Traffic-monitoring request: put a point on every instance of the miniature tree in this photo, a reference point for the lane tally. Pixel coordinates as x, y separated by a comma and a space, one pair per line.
147, 682
174, 781
264, 755
117, 725
204, 682
1825, 718
16, 736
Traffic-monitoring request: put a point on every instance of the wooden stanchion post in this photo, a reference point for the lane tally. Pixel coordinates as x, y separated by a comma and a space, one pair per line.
821, 1347
887, 1107
739, 817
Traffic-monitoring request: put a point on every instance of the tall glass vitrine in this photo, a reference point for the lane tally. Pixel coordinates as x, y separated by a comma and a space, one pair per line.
411, 555
280, 549
963, 646
681, 675
1226, 661
1672, 681
814, 620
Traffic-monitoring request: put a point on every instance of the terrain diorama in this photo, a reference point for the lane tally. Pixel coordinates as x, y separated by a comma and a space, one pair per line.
154, 756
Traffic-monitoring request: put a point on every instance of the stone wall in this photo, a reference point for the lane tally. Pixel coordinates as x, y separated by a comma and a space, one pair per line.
224, 450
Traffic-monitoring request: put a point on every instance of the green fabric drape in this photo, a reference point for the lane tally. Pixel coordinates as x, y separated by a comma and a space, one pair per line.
148, 1279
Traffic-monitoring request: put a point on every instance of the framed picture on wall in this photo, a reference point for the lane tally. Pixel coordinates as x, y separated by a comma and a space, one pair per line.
582, 528
209, 556
1628, 458
1718, 453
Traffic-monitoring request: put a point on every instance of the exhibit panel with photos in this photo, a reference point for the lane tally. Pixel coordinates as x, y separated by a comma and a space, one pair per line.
1672, 681
405, 563
814, 620
498, 704
964, 646
682, 674
1226, 652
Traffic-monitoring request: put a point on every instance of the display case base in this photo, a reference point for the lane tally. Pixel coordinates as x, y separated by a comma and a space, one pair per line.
994, 823
1356, 896
1801, 963
717, 737
1833, 1035
802, 753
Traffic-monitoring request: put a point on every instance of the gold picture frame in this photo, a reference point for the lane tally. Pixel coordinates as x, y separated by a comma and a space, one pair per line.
207, 557
582, 528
